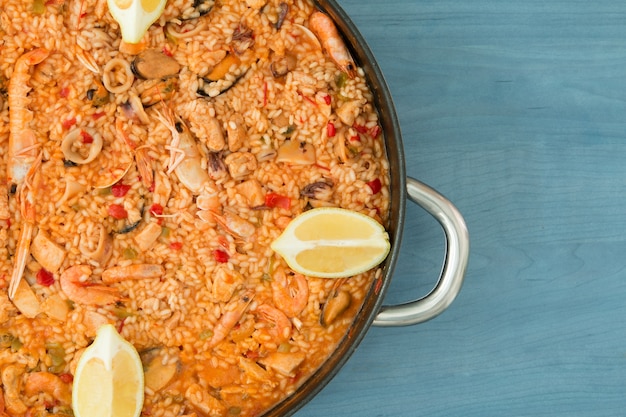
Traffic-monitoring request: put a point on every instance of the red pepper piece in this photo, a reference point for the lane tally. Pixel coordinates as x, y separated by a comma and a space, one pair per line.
375, 131
277, 200
120, 325
330, 130
220, 256
375, 185
68, 123
360, 128
119, 189
156, 209
45, 277
117, 211
86, 137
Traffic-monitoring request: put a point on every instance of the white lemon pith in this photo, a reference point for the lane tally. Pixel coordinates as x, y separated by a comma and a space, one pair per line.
135, 16
332, 243
109, 380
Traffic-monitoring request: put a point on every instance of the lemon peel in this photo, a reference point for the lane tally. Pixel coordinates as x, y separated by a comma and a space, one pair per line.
109, 379
135, 16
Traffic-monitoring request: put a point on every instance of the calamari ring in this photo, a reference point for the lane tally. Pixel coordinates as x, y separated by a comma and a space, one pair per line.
78, 135
108, 79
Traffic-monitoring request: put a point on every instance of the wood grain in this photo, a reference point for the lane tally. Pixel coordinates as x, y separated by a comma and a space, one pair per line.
515, 111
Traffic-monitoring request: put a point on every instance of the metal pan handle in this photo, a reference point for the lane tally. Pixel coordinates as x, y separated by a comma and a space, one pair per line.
454, 265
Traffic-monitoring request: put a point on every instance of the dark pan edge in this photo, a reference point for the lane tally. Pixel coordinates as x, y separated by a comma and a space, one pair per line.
395, 153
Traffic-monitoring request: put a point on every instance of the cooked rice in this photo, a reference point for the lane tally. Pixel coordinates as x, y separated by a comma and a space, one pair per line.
174, 317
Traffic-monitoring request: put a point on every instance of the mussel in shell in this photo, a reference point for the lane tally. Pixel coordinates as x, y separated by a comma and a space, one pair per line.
154, 64
225, 74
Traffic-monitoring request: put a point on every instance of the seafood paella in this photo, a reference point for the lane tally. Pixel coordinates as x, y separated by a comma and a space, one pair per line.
143, 184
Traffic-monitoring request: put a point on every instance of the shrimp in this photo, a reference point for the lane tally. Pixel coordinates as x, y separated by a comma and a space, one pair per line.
228, 320
138, 271
289, 298
49, 383
325, 29
24, 159
235, 225
185, 157
280, 324
80, 291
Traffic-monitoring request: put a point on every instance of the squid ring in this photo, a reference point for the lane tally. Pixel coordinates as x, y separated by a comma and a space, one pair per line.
108, 77
78, 136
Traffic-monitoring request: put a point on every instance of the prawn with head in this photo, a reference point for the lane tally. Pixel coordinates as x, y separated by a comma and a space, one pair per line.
324, 28
185, 156
76, 284
233, 312
24, 156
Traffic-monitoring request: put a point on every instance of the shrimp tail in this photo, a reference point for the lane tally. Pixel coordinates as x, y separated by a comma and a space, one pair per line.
21, 255
27, 210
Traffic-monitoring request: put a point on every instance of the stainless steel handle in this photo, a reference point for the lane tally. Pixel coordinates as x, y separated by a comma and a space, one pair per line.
454, 266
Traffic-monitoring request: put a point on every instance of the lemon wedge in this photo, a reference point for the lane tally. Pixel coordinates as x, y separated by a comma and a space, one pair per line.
135, 16
109, 379
331, 242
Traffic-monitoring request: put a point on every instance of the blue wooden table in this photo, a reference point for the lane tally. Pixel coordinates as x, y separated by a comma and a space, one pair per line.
516, 111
